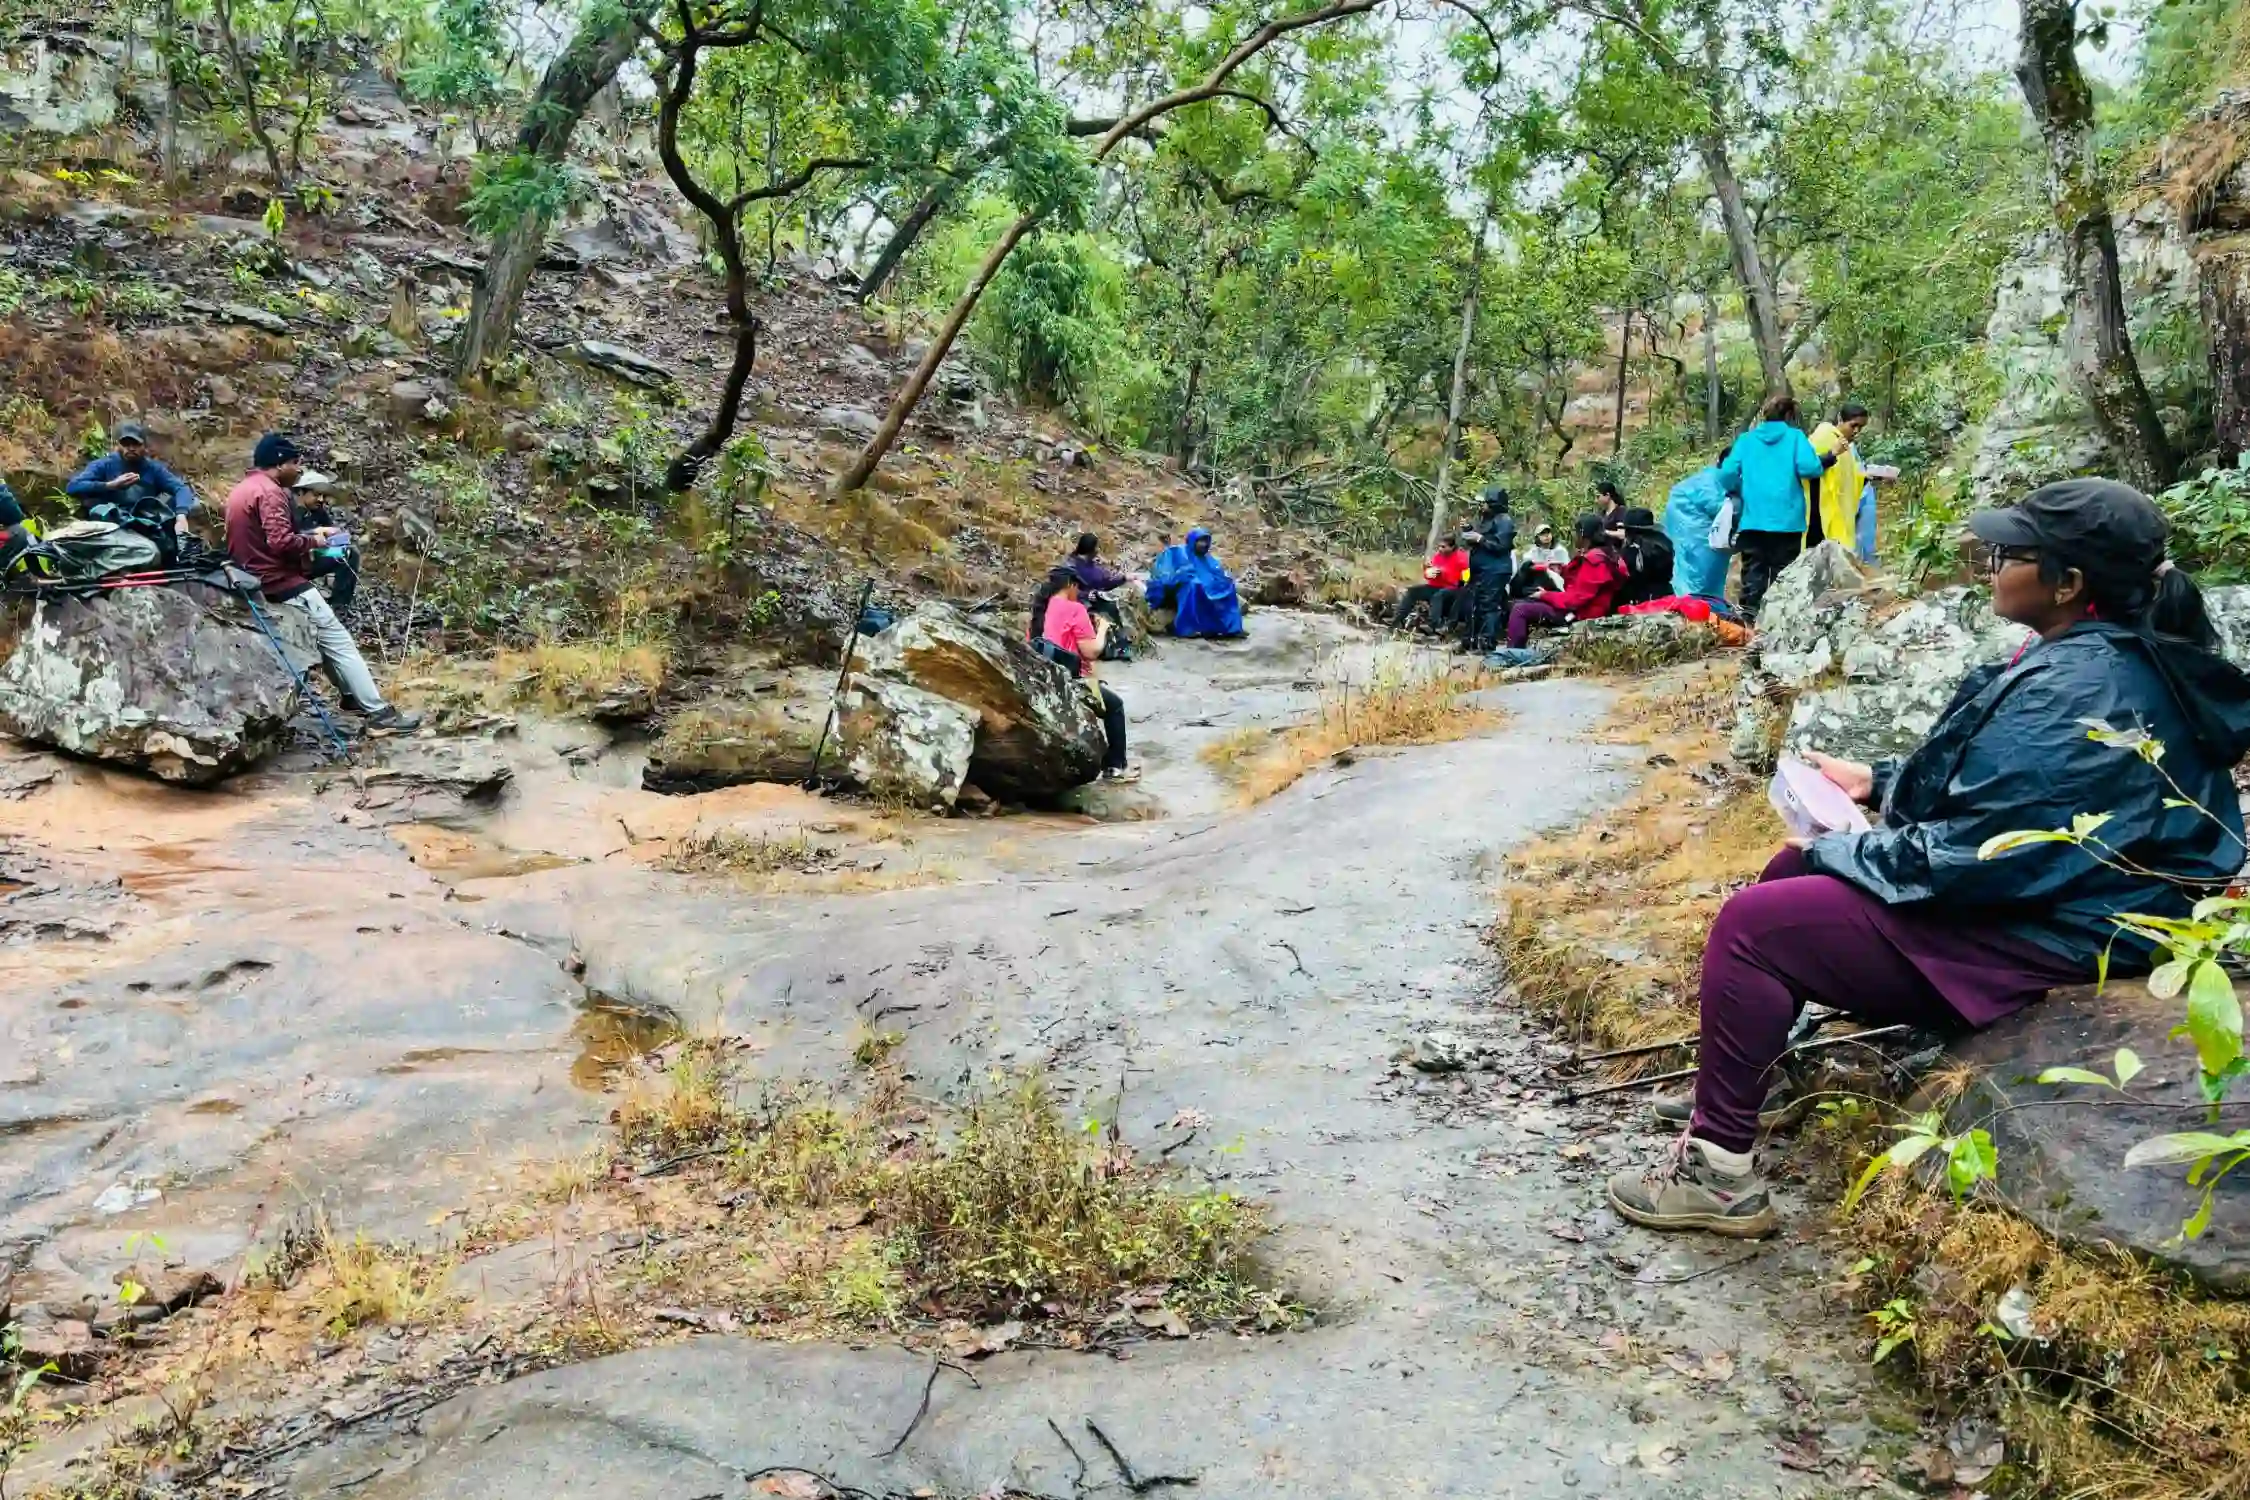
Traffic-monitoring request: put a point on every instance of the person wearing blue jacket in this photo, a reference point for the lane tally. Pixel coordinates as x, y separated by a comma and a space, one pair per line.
1689, 511
131, 478
1768, 468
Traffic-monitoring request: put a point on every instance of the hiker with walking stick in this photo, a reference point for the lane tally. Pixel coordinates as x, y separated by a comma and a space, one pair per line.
263, 540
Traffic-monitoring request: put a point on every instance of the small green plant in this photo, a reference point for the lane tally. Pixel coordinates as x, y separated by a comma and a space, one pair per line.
94, 441
1930, 541
1894, 1328
2210, 516
1969, 1156
15, 290
276, 217
78, 293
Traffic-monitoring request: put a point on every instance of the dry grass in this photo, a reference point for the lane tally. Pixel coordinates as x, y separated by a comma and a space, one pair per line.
1604, 925
2139, 1390
1647, 644
1397, 708
685, 1100
796, 863
360, 1283
560, 676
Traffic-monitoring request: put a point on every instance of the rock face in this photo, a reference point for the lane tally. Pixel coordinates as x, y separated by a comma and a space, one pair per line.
2061, 1166
176, 681
61, 84
2040, 429
899, 741
1842, 663
1036, 734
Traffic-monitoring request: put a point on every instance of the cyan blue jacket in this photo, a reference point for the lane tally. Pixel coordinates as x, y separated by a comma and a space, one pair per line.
91, 485
1768, 469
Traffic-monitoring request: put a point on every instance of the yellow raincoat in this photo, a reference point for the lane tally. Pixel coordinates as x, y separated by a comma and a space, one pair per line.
1839, 487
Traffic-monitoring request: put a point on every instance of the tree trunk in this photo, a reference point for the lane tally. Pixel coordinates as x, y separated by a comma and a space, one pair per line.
571, 84
902, 406
247, 81
902, 238
2098, 342
2223, 272
168, 122
1624, 365
1710, 369
1758, 300
1460, 394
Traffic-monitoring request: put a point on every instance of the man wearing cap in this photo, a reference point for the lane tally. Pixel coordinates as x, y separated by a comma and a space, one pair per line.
1491, 540
130, 478
263, 540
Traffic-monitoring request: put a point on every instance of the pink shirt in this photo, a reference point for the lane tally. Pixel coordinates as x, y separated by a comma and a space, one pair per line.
1068, 624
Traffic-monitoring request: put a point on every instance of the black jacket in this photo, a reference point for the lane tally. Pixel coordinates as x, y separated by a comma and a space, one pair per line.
1492, 561
1648, 565
2012, 752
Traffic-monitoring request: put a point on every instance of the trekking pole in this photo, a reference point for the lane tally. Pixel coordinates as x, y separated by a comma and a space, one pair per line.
1572, 1096
843, 673
304, 688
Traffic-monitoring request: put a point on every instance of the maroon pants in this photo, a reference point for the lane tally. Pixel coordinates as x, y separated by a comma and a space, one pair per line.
1796, 938
1526, 613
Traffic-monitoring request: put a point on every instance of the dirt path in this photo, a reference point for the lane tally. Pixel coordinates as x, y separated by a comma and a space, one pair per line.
1484, 1328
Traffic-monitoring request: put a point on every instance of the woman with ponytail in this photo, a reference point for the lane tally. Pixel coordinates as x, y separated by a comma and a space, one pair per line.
1905, 922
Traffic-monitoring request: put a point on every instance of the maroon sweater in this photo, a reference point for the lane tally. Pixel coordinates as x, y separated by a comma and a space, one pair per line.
263, 539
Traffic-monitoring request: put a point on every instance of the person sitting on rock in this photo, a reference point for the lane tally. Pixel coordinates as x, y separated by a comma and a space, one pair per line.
1647, 555
263, 540
1540, 565
1591, 583
336, 559
1908, 922
1190, 582
1095, 581
1442, 578
128, 486
1069, 637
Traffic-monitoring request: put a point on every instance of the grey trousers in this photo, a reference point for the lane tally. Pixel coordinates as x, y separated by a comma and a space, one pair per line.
339, 651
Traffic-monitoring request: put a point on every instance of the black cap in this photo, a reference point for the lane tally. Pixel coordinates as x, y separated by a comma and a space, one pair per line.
274, 450
2099, 522
1495, 497
131, 432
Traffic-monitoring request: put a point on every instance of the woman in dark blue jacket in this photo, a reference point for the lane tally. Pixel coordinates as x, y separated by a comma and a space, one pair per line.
1906, 922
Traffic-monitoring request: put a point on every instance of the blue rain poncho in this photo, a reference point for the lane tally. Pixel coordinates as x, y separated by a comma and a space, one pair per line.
1199, 591
1689, 510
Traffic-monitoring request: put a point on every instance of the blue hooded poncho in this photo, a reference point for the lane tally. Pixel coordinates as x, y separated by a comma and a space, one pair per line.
1198, 589
1689, 510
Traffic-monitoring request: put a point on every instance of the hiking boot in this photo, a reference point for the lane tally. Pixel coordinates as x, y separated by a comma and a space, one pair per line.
390, 720
1122, 775
1691, 1191
1777, 1113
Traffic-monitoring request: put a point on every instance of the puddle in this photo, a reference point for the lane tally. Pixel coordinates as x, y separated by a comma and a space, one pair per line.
609, 1036
447, 851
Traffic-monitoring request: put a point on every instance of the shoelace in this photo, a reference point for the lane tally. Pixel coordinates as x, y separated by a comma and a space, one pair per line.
1673, 1167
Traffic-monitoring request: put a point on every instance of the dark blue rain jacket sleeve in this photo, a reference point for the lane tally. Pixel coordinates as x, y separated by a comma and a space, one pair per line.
2029, 766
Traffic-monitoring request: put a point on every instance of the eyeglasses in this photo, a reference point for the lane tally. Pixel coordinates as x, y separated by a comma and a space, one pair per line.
1997, 557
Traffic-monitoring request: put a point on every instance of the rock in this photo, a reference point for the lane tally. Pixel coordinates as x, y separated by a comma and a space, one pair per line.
426, 780
2060, 1166
172, 1288
61, 84
2041, 429
221, 391
626, 364
727, 744
1280, 589
420, 400
65, 1343
858, 359
901, 741
847, 423
520, 436
625, 703
243, 314
1037, 734
176, 681
1443, 1052
1635, 643
1843, 664
975, 801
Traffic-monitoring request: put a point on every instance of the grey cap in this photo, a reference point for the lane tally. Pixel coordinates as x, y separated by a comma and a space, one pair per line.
131, 432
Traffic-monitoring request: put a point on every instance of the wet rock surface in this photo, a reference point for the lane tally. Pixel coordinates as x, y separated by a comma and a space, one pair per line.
2062, 1146
303, 1005
176, 681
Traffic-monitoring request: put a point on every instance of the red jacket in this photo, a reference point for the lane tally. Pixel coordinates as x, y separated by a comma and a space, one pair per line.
263, 539
1591, 583
1447, 569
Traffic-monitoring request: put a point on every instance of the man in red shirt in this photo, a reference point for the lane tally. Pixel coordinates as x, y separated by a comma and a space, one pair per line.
1441, 583
263, 540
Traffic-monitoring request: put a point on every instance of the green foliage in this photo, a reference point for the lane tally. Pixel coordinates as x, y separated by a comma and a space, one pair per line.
2210, 516
1968, 1157
508, 189
1051, 315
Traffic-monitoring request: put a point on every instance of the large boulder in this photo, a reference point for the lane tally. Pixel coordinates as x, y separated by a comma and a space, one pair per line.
1036, 734
1845, 664
2062, 1146
177, 681
900, 741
